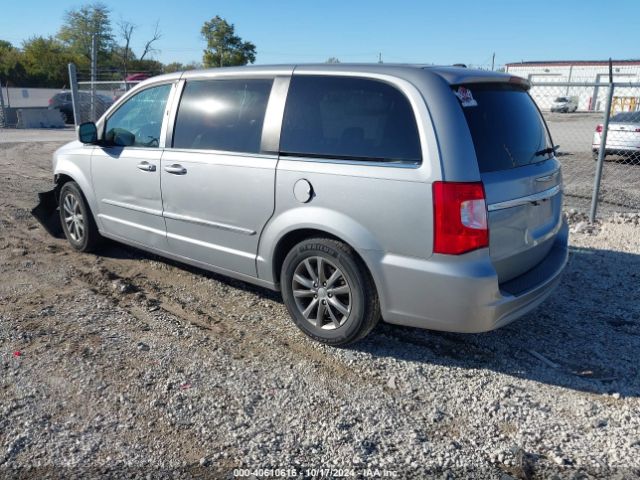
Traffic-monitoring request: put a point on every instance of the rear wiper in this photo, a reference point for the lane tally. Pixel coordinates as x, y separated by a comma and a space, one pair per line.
546, 151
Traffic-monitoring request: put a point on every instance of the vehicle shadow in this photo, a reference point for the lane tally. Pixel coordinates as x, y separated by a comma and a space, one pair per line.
585, 336
118, 251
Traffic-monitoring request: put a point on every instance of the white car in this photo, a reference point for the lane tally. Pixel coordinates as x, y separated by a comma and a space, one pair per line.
565, 104
623, 137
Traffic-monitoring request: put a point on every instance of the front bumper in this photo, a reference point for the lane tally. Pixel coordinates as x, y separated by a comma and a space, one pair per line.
462, 294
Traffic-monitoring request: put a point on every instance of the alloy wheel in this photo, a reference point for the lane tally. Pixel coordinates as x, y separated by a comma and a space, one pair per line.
322, 293
73, 217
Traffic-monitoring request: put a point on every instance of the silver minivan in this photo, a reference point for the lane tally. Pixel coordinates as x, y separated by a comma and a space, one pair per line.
426, 196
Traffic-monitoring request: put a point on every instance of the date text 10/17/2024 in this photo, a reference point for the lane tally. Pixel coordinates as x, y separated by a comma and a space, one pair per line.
314, 472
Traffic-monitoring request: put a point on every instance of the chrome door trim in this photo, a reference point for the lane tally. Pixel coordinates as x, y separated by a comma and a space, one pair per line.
516, 202
207, 223
173, 112
210, 245
161, 233
274, 114
129, 206
168, 110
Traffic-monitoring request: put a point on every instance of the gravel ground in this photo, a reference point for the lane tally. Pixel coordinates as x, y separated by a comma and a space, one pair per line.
124, 364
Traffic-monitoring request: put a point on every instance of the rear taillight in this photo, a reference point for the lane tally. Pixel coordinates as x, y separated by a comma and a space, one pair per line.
599, 128
459, 217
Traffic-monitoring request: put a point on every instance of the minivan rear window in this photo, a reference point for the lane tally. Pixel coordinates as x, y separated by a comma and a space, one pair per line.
349, 118
506, 126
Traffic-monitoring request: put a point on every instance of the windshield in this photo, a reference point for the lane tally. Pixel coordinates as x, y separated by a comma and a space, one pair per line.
562, 99
506, 126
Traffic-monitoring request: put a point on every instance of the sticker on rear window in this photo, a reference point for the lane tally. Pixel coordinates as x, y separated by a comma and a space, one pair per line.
465, 97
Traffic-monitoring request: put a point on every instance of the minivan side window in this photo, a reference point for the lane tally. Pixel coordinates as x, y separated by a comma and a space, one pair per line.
222, 115
349, 118
142, 116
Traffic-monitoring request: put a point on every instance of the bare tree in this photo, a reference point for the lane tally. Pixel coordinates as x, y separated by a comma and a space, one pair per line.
126, 31
148, 47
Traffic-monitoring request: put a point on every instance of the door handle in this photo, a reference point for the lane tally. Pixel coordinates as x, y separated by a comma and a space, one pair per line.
176, 169
146, 166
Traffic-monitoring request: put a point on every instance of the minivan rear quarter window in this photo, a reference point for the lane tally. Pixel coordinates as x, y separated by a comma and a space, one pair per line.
506, 127
224, 115
349, 118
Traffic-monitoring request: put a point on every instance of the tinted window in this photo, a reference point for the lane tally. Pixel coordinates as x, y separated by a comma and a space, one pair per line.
352, 118
506, 126
222, 115
141, 115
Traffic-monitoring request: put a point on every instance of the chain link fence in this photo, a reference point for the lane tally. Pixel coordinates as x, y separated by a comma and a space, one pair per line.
576, 114
90, 99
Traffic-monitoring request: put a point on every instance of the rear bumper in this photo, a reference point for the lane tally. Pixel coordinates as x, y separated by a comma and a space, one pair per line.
462, 294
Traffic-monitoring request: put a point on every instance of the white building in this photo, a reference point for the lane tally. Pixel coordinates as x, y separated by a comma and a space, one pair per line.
570, 74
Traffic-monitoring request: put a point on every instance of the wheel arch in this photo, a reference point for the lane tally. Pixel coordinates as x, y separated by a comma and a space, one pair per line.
75, 174
294, 226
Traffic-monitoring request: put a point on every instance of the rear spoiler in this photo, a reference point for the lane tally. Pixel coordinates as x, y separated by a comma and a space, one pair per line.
466, 76
517, 81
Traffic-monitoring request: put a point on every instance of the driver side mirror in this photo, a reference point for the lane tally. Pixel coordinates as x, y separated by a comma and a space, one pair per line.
88, 133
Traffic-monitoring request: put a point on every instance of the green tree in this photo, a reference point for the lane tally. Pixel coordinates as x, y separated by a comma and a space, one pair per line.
224, 47
81, 24
12, 69
4, 46
45, 61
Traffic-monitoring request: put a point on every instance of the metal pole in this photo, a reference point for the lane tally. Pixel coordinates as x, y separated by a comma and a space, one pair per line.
601, 154
2, 115
493, 61
94, 68
75, 98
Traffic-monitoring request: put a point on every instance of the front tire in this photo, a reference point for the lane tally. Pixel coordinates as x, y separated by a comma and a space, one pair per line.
77, 220
329, 292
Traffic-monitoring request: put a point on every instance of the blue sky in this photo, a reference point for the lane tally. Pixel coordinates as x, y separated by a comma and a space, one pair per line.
356, 31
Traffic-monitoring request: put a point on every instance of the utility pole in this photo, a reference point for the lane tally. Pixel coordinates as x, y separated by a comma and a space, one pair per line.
2, 120
493, 61
380, 57
75, 98
603, 145
94, 71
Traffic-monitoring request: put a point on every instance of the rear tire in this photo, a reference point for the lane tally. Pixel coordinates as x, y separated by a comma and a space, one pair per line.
329, 292
77, 220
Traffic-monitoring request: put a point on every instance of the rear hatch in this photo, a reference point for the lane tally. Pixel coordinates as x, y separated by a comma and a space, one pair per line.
520, 173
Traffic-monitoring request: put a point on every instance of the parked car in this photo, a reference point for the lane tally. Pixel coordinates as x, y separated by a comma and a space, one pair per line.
623, 136
62, 101
565, 104
359, 191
